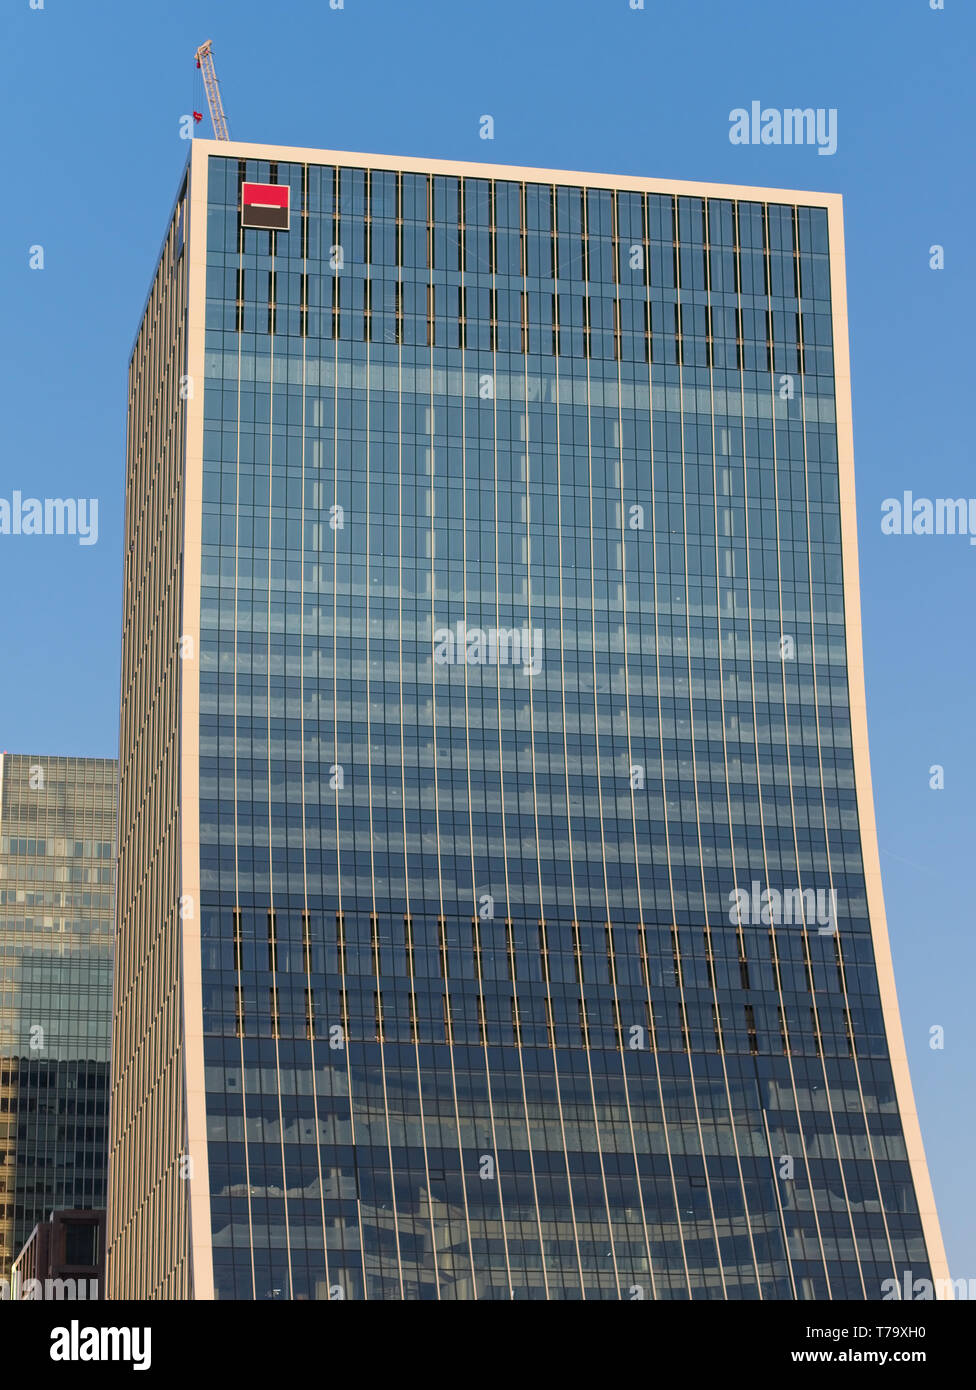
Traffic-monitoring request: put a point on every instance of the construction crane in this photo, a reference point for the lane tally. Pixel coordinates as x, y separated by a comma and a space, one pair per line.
205, 63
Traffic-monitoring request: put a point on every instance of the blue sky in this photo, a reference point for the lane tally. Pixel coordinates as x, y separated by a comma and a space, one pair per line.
94, 93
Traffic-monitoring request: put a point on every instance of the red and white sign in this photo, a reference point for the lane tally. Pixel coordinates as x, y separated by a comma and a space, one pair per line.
266, 205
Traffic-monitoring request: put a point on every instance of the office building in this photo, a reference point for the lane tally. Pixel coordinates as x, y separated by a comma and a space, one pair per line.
57, 917
64, 1258
500, 912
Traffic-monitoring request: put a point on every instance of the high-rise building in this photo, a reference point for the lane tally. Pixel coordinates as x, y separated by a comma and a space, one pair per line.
500, 912
63, 1258
57, 919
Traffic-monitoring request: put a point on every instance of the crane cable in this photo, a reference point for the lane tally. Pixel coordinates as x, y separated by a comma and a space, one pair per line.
198, 87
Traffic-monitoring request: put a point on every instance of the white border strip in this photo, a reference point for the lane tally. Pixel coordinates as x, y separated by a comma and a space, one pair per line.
195, 250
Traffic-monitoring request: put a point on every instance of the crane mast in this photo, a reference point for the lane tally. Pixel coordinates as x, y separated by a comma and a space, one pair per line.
205, 63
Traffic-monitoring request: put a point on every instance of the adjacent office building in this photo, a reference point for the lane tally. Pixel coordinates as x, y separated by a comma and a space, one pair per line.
500, 913
57, 919
63, 1258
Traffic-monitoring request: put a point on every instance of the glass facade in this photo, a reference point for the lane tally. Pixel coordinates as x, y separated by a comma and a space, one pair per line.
535, 951
57, 916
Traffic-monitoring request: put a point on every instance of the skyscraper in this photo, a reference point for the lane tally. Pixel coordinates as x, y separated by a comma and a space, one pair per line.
57, 916
500, 912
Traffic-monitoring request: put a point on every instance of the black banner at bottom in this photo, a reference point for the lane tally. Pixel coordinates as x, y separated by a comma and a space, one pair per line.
168, 1339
